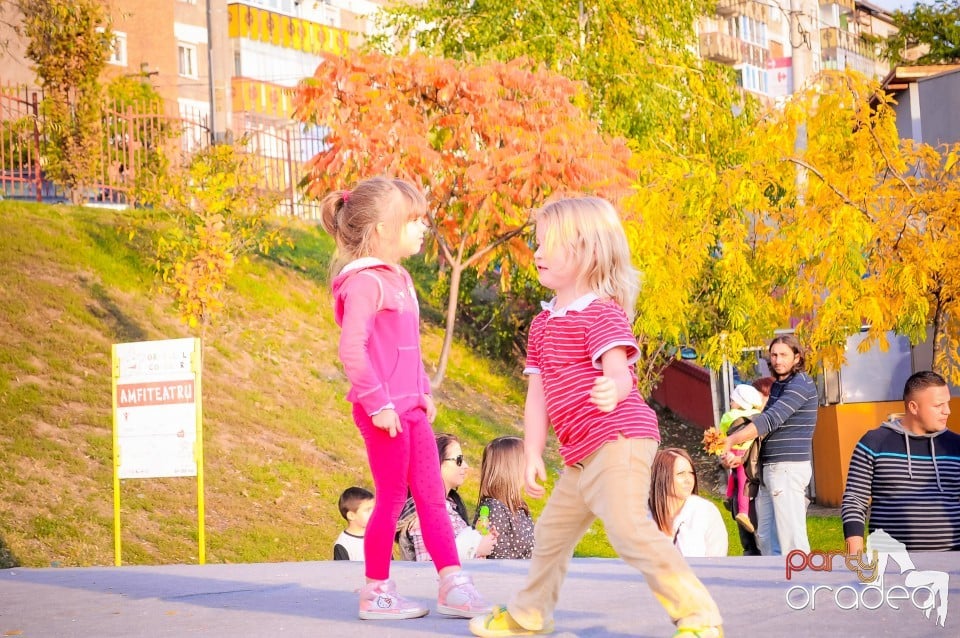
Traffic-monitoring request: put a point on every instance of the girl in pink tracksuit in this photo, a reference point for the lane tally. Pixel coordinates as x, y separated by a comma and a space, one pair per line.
378, 223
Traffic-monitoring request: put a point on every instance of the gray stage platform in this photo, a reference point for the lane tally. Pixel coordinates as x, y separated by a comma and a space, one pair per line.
601, 597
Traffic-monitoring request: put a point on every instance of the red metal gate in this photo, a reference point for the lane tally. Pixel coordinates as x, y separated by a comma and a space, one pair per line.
141, 140
20, 173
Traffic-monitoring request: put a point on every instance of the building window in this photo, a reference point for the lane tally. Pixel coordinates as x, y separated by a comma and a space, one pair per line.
281, 5
748, 30
752, 78
118, 49
187, 60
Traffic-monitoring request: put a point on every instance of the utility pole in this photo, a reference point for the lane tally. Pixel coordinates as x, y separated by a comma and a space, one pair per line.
804, 44
804, 31
212, 121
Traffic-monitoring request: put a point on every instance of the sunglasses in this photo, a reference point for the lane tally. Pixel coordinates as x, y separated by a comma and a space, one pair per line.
458, 459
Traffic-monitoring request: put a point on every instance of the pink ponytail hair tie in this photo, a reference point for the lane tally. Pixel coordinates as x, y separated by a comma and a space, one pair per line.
346, 196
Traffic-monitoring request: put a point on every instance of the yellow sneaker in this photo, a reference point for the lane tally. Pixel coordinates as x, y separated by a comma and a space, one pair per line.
699, 632
499, 622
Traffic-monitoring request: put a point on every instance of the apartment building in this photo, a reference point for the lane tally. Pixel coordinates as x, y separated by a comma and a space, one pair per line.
776, 45
235, 59
273, 44
232, 59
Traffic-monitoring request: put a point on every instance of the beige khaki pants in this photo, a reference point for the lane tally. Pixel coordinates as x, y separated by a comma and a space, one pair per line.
611, 484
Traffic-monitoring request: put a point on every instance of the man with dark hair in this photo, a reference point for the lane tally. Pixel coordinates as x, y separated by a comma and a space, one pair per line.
786, 423
906, 474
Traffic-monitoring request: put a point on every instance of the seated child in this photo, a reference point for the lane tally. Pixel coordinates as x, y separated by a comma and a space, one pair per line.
356, 505
501, 491
745, 401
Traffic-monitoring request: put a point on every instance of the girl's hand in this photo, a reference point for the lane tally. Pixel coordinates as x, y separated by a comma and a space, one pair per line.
487, 543
604, 394
388, 420
730, 460
431, 408
535, 470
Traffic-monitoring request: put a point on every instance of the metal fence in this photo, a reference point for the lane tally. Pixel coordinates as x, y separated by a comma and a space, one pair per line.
137, 140
20, 143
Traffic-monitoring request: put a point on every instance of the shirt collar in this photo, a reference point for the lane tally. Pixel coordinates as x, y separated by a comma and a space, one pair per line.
577, 305
363, 262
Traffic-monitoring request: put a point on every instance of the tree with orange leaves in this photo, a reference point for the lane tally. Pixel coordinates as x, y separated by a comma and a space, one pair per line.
487, 144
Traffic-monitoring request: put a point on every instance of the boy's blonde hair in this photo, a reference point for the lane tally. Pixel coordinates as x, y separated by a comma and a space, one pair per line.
501, 473
351, 217
590, 230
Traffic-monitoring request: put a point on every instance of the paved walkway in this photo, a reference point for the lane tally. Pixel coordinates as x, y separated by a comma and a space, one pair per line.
601, 598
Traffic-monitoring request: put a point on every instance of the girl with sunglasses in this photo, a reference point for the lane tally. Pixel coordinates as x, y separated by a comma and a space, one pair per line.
470, 543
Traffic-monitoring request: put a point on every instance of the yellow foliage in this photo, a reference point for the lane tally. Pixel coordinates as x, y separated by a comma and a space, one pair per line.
218, 211
856, 228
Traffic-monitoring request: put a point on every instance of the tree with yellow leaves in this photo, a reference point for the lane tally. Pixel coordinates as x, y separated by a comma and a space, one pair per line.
856, 229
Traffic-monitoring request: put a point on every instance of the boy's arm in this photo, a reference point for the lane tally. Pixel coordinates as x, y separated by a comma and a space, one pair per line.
535, 424
616, 382
340, 552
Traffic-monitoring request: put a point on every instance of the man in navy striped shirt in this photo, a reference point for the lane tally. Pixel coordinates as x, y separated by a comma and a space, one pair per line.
906, 474
786, 423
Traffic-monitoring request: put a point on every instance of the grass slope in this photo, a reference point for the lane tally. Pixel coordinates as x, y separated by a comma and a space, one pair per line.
279, 442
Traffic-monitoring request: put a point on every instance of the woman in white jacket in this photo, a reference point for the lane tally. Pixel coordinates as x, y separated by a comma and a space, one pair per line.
453, 471
694, 523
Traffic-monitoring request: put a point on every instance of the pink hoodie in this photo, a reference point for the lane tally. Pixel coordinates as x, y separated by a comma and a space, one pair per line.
376, 307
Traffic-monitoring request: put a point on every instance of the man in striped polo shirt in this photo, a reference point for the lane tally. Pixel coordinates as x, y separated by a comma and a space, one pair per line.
906, 474
786, 423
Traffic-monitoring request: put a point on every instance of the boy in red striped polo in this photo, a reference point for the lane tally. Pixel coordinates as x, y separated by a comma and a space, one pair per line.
580, 357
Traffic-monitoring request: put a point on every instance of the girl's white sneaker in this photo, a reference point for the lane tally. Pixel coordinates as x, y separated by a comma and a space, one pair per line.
379, 601
459, 598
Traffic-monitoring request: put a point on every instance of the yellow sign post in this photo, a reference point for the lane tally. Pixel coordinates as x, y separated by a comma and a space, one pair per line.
157, 419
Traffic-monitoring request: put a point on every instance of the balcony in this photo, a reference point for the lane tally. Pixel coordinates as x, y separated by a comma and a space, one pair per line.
833, 38
749, 8
261, 98
720, 47
846, 6
753, 54
285, 31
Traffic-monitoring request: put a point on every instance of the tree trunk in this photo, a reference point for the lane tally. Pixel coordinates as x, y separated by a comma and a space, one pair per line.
456, 269
939, 362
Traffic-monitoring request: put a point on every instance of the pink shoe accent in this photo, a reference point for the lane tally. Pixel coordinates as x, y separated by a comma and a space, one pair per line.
458, 597
380, 601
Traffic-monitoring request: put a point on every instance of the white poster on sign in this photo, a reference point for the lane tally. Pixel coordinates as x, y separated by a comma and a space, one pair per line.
156, 408
779, 77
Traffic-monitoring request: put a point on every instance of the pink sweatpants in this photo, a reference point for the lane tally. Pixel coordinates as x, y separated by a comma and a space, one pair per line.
737, 484
409, 460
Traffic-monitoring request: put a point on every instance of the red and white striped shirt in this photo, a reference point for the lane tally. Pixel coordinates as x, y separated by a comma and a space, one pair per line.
565, 347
